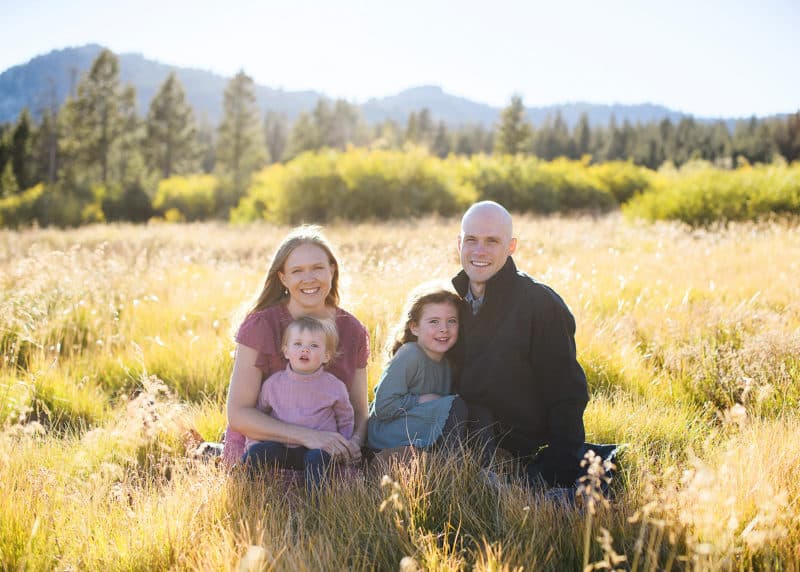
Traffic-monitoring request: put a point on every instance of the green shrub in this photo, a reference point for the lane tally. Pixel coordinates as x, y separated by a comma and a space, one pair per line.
127, 202
391, 184
707, 195
63, 206
361, 184
20, 209
513, 181
263, 197
531, 185
576, 188
194, 196
356, 185
623, 180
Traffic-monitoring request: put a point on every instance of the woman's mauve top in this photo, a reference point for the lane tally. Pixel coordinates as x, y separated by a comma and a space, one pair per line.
263, 332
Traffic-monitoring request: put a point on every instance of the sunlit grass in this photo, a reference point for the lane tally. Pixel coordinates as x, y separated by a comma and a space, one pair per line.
116, 353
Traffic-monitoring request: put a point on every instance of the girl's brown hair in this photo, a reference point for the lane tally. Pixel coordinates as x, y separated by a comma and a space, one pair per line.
273, 291
427, 293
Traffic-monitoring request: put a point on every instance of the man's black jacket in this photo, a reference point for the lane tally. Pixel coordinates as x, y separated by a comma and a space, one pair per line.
517, 357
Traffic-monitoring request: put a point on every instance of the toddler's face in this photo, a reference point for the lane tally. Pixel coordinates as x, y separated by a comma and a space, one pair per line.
306, 350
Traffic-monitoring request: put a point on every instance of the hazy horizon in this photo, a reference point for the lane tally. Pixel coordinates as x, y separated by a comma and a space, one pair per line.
709, 60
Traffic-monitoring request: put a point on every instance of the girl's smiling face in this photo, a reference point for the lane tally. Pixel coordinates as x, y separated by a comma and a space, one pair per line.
437, 329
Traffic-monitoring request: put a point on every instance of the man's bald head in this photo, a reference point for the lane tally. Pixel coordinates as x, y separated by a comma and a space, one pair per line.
490, 211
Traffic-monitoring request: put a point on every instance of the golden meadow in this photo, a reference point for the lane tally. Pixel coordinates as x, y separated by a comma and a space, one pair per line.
116, 351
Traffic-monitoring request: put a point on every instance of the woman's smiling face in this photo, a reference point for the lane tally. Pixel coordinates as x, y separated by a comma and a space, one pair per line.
307, 275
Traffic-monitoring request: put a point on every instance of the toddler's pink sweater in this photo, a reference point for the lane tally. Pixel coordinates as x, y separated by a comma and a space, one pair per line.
316, 400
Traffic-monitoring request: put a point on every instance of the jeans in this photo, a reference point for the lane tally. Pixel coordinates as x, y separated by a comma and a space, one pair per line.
313, 462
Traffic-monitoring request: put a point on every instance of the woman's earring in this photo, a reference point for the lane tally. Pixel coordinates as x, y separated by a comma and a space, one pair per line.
285, 291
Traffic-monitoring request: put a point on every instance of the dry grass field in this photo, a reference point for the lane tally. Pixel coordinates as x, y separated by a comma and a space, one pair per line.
116, 350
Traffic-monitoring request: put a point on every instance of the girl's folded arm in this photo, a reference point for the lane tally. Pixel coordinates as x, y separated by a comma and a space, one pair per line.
393, 396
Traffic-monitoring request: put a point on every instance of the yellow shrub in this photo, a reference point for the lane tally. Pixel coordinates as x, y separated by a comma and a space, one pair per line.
194, 196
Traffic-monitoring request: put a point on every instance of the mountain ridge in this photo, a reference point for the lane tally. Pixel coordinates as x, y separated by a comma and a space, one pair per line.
47, 79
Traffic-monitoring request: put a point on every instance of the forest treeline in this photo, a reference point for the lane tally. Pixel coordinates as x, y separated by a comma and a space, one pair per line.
96, 159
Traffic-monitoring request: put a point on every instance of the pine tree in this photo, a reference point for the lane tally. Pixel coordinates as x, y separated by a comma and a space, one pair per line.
615, 142
205, 144
303, 137
45, 144
45, 147
92, 120
647, 150
552, 139
412, 134
582, 137
719, 141
464, 144
473, 138
687, 141
666, 133
561, 147
322, 116
344, 125
276, 134
441, 141
22, 150
766, 148
513, 132
5, 145
8, 182
628, 139
128, 160
171, 141
787, 137
240, 143
425, 126
387, 135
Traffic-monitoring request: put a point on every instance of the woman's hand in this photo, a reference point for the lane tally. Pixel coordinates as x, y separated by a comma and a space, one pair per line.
333, 443
426, 397
355, 452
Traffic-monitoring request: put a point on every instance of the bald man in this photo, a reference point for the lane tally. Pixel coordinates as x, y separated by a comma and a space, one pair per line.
516, 351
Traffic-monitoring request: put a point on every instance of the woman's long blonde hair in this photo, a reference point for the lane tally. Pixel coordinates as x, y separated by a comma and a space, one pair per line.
273, 291
426, 293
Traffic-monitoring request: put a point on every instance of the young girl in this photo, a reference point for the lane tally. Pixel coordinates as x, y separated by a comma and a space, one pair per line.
303, 394
413, 404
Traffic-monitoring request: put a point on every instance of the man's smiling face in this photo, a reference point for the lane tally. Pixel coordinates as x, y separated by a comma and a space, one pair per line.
485, 243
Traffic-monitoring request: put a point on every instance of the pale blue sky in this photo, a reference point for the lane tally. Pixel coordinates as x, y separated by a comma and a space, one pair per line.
709, 58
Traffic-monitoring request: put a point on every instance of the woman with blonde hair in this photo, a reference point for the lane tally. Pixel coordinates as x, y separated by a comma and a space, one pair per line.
302, 280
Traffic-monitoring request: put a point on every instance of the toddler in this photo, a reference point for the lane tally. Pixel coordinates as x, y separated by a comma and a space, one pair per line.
303, 394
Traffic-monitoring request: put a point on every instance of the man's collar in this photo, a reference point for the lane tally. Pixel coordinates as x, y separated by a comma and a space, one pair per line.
508, 271
474, 301
470, 297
